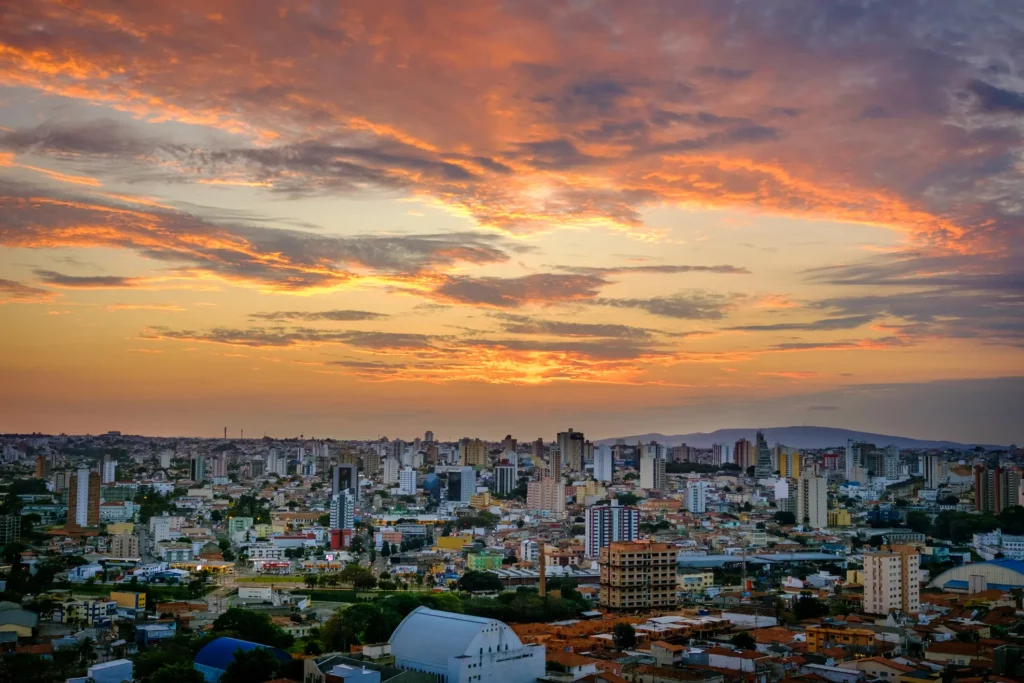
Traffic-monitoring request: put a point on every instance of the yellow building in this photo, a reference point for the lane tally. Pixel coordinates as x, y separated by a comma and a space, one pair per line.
638, 575
824, 637
839, 517
263, 530
790, 462
480, 501
129, 600
695, 582
453, 542
473, 452
121, 529
855, 576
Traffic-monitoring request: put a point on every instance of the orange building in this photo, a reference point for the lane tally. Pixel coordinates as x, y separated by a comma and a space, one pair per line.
637, 575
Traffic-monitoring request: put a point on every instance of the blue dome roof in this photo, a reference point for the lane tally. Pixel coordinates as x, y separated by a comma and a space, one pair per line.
218, 653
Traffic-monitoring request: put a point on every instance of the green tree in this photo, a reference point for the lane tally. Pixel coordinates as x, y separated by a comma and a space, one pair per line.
252, 626
255, 666
919, 521
476, 581
176, 672
628, 498
624, 635
785, 518
744, 641
809, 607
385, 550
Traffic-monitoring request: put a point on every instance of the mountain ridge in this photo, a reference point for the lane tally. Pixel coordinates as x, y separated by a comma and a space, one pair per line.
795, 437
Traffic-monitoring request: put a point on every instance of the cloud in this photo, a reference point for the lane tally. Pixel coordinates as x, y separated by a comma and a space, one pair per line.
826, 324
12, 291
695, 305
539, 288
994, 99
525, 325
281, 337
657, 269
823, 409
343, 315
56, 279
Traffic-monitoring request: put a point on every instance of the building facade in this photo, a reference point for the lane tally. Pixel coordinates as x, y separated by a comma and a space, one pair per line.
637, 575
84, 499
892, 580
606, 524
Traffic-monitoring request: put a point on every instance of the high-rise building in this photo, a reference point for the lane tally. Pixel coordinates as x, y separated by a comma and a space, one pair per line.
42, 467
257, 468
603, 463
812, 501
124, 545
697, 497
342, 512
10, 529
743, 454
935, 471
407, 481
504, 479
995, 488
790, 462
509, 444
472, 452
220, 466
891, 580
108, 470
652, 472
718, 455
570, 444
763, 467
548, 494
461, 484
345, 477
637, 575
84, 499
196, 468
606, 524
891, 463
429, 436
389, 471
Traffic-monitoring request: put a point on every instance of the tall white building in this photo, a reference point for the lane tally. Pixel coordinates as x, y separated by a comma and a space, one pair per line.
891, 463
461, 484
935, 471
697, 496
812, 501
652, 471
342, 511
892, 580
81, 499
390, 468
608, 523
548, 494
603, 463
407, 481
109, 470
852, 458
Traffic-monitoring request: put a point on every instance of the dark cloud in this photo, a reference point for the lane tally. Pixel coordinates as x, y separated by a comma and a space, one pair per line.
518, 324
658, 269
539, 288
609, 350
555, 154
282, 337
823, 409
343, 315
994, 99
88, 281
694, 305
827, 324
12, 291
725, 73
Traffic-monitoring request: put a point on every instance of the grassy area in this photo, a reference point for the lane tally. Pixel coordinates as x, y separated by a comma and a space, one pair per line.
269, 579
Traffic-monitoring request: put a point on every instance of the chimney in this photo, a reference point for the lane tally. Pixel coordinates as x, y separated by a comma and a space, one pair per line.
542, 589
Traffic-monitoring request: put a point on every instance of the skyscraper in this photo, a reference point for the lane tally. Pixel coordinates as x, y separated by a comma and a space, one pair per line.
84, 499
790, 462
407, 481
763, 468
342, 511
603, 463
461, 484
196, 468
472, 452
743, 454
696, 497
608, 523
548, 494
429, 436
891, 462
891, 580
504, 479
935, 471
109, 469
995, 488
638, 575
345, 477
812, 501
652, 472
570, 444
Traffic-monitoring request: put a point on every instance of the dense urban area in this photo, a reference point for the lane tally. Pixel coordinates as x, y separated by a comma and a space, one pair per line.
160, 560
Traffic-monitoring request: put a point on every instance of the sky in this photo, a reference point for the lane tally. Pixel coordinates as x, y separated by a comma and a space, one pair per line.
483, 217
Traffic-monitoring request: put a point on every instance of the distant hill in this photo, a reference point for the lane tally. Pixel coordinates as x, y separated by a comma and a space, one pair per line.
797, 437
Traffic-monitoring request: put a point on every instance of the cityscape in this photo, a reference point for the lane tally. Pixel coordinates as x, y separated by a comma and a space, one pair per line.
511, 341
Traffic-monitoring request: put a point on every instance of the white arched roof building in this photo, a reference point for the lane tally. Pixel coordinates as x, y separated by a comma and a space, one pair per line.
978, 576
464, 649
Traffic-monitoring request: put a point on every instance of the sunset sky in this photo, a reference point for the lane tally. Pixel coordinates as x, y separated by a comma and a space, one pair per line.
351, 219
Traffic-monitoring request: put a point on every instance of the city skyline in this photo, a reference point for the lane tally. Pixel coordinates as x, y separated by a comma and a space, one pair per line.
491, 217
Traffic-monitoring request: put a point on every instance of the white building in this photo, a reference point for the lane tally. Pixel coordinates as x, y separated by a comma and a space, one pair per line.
892, 581
697, 497
652, 471
603, 466
548, 494
812, 501
458, 648
407, 482
81, 501
108, 472
265, 551
342, 511
529, 551
390, 467
113, 512
609, 523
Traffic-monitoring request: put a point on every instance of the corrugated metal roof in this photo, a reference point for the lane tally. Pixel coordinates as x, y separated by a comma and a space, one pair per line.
219, 653
432, 636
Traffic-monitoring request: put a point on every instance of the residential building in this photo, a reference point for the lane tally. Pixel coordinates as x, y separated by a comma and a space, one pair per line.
344, 477
196, 468
505, 479
473, 453
606, 524
839, 517
652, 472
407, 481
461, 484
84, 499
995, 488
637, 575
484, 561
124, 545
10, 529
790, 463
936, 471
112, 512
812, 501
390, 467
548, 494
891, 463
459, 648
695, 582
603, 463
108, 469
342, 512
892, 581
42, 467
763, 467
571, 446
696, 496
743, 454
826, 636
